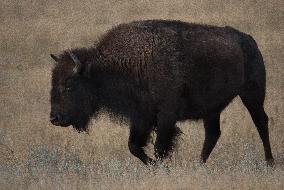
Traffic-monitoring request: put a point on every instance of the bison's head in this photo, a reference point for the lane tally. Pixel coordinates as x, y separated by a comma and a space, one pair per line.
72, 94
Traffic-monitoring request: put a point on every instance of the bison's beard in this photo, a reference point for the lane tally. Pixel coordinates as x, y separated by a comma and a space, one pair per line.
81, 125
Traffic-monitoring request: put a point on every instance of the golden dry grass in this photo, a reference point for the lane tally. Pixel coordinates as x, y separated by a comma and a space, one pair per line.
36, 155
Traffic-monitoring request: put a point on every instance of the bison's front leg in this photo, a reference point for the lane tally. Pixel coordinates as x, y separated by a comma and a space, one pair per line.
212, 134
166, 134
138, 139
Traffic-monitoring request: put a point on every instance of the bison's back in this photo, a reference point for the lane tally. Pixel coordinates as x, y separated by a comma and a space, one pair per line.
147, 43
137, 43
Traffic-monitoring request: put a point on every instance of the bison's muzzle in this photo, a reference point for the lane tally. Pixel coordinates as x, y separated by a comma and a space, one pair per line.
59, 119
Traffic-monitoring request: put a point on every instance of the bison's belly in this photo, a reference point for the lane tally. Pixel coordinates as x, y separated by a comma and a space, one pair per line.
198, 106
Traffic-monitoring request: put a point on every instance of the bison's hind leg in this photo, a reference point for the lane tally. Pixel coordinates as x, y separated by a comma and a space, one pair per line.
212, 134
252, 96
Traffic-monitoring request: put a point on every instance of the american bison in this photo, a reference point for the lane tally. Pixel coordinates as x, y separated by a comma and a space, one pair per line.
158, 72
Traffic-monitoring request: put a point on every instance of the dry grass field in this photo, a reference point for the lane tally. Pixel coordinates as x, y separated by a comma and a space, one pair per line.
36, 155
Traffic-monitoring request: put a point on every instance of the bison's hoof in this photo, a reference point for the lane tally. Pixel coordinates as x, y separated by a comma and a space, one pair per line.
152, 162
270, 162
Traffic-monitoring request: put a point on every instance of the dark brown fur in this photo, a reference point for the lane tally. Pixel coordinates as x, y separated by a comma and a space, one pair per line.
156, 73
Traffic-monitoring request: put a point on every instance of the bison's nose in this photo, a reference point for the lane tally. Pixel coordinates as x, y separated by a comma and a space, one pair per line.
55, 118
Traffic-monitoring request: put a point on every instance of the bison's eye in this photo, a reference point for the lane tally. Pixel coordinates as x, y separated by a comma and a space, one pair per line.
68, 88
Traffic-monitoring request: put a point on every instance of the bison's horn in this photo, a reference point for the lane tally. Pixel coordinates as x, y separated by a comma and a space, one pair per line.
77, 62
54, 57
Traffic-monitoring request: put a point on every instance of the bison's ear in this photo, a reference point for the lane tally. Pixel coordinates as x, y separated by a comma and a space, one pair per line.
54, 57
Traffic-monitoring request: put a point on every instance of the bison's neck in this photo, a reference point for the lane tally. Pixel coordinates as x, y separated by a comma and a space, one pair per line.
118, 89
117, 93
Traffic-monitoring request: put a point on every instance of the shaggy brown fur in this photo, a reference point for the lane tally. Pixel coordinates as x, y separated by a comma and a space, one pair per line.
156, 73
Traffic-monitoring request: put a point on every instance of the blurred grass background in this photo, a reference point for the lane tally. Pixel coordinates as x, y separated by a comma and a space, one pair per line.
36, 155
